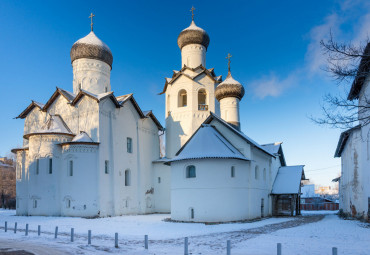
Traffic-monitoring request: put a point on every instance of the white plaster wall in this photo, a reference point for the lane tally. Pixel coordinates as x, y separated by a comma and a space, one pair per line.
193, 55
22, 183
351, 183
229, 108
162, 190
81, 187
182, 122
92, 75
214, 195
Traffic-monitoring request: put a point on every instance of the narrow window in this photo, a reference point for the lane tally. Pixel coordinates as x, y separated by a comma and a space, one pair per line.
232, 171
190, 172
256, 173
68, 205
34, 203
264, 174
127, 178
191, 213
37, 166
70, 168
202, 100
159, 179
107, 166
183, 99
106, 89
50, 165
129, 145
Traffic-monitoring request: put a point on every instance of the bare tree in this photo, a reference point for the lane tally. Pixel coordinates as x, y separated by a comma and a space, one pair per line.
347, 63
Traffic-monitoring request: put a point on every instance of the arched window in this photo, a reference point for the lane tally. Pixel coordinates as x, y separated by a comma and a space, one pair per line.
232, 171
127, 177
68, 203
190, 172
202, 97
70, 170
183, 98
264, 174
256, 173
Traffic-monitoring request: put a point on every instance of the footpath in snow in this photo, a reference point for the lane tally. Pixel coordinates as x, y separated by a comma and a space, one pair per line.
313, 233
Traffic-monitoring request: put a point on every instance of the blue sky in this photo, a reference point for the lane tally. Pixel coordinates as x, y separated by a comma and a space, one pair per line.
275, 48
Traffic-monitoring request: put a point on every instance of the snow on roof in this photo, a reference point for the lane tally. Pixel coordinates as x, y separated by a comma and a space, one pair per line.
230, 80
273, 148
54, 124
288, 180
207, 142
123, 98
39, 104
83, 137
241, 134
92, 39
69, 95
147, 112
193, 27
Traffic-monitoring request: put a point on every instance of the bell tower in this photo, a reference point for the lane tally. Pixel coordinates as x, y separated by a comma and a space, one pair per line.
190, 93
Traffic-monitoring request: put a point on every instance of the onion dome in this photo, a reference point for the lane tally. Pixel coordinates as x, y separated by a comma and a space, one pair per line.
229, 88
193, 35
91, 47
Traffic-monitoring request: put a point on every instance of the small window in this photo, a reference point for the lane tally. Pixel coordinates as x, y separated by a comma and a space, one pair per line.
190, 172
183, 98
50, 165
129, 145
34, 203
202, 97
191, 213
232, 171
37, 166
70, 170
106, 167
159, 179
127, 178
256, 173
68, 205
106, 89
264, 174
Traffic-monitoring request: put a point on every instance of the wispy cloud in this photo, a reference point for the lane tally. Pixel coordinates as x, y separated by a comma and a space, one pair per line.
314, 60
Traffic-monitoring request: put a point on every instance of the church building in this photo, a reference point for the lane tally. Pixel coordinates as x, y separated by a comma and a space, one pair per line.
91, 153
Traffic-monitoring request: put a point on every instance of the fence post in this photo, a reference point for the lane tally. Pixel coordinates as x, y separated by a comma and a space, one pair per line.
279, 249
116, 240
72, 233
186, 251
38, 230
56, 232
26, 230
6, 226
15, 228
228, 247
89, 237
335, 251
146, 241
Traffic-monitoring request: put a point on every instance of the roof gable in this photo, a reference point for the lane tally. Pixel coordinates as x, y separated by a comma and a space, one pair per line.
277, 150
343, 140
184, 72
213, 116
207, 142
54, 125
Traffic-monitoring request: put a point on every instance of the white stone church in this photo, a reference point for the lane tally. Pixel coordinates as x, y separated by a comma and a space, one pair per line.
91, 153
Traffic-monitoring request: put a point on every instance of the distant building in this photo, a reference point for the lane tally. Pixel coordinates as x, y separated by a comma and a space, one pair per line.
354, 149
318, 203
7, 183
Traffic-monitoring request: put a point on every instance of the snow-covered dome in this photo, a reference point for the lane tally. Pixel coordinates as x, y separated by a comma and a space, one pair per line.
229, 88
193, 35
91, 47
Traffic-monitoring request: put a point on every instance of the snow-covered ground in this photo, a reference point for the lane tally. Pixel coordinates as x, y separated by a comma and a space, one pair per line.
260, 237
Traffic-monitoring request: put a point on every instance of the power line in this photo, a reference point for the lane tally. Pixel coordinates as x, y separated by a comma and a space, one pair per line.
318, 169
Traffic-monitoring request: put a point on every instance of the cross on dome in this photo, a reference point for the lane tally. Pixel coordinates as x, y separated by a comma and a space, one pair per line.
192, 12
92, 23
229, 61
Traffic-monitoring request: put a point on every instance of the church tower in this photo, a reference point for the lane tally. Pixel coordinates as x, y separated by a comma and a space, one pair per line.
190, 93
92, 62
229, 93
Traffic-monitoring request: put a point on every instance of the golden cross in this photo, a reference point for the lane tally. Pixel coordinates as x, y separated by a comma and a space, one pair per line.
229, 61
92, 23
192, 12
